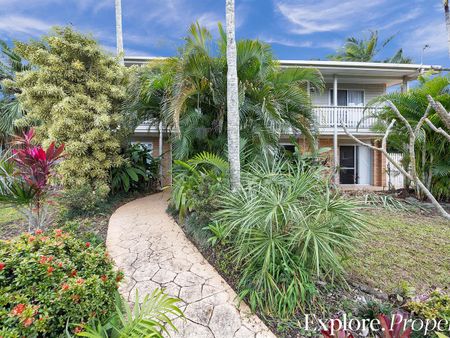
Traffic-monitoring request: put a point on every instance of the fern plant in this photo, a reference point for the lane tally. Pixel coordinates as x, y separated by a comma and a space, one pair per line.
149, 319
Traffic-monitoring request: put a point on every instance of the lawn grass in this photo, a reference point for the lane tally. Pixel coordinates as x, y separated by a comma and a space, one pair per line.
402, 247
8, 214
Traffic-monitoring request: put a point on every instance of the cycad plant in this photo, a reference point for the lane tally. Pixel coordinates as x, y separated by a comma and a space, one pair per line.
191, 90
287, 228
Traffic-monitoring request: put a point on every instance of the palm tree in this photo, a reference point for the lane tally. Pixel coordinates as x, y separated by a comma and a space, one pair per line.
192, 92
447, 22
11, 110
366, 49
432, 153
119, 36
232, 100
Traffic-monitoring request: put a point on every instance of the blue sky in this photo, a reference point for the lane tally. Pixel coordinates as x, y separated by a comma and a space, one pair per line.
296, 29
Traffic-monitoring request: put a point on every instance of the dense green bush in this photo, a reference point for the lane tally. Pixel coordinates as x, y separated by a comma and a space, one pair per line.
82, 199
73, 94
196, 184
435, 306
287, 227
50, 280
139, 172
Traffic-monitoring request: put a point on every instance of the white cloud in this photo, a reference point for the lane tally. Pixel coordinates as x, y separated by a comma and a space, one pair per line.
14, 25
310, 17
434, 34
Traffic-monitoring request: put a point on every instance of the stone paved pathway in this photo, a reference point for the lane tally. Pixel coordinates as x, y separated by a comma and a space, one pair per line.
153, 252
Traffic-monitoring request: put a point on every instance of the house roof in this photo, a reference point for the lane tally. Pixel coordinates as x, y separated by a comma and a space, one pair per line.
365, 72
346, 72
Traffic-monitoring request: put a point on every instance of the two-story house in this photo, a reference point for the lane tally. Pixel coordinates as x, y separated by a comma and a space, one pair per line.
349, 86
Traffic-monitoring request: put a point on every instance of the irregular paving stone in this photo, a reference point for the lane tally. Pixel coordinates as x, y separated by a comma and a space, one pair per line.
243, 332
187, 278
199, 312
225, 321
163, 276
191, 294
145, 272
153, 252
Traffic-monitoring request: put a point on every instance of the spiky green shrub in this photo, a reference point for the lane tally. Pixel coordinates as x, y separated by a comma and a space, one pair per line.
287, 227
73, 95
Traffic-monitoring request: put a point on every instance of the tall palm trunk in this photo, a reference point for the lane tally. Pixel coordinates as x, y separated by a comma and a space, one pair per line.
119, 36
447, 22
232, 100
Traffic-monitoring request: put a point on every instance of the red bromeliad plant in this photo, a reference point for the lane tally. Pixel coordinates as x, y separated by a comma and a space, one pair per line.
30, 185
395, 328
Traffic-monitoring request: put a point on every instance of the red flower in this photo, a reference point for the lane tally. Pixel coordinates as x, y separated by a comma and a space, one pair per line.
104, 278
50, 270
88, 244
78, 329
60, 264
73, 273
44, 238
65, 287
58, 232
43, 260
18, 309
39, 232
2, 266
80, 281
119, 277
31, 238
27, 322
50, 258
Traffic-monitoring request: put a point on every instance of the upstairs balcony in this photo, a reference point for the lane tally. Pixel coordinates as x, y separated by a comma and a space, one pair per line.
354, 117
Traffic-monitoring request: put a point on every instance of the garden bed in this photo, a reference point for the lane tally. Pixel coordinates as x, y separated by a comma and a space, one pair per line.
403, 254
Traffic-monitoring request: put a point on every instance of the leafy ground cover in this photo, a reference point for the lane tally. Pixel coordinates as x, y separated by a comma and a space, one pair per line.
403, 248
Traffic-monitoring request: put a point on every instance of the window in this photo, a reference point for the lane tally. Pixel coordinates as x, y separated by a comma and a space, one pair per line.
147, 145
348, 97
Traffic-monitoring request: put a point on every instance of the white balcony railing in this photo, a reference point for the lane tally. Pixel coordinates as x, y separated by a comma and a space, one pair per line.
353, 117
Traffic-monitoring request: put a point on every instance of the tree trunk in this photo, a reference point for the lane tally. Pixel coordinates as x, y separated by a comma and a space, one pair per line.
232, 100
119, 36
447, 23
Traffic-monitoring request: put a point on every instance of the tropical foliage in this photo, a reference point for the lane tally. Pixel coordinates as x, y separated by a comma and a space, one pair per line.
196, 183
26, 177
73, 95
188, 93
151, 318
10, 108
287, 228
140, 171
432, 151
366, 49
48, 280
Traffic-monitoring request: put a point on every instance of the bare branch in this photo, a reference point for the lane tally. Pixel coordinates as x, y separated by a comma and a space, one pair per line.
412, 137
422, 120
400, 116
386, 134
437, 130
385, 153
440, 110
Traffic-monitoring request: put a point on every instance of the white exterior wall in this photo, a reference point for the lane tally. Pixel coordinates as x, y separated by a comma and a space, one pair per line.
371, 91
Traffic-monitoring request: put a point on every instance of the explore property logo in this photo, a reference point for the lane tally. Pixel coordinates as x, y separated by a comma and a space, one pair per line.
397, 325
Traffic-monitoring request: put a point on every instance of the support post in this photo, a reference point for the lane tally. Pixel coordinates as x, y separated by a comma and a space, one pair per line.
335, 130
404, 86
160, 151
